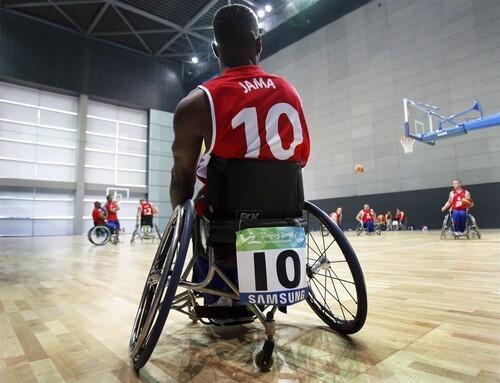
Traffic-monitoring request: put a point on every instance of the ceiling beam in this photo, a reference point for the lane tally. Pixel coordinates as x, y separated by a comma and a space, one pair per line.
172, 55
72, 30
190, 43
46, 3
158, 19
65, 15
186, 28
138, 31
143, 43
98, 17
202, 28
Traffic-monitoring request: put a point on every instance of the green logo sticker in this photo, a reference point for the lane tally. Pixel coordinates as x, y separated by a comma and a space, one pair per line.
270, 238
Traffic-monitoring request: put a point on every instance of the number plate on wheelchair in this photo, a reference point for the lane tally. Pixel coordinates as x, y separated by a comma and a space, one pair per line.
272, 265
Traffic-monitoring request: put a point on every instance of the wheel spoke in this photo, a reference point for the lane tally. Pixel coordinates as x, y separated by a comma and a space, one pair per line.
348, 292
338, 300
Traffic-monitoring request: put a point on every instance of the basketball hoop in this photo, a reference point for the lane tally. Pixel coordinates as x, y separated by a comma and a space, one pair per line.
407, 143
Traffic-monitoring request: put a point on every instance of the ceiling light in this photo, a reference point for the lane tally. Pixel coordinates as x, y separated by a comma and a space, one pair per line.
261, 13
194, 60
268, 8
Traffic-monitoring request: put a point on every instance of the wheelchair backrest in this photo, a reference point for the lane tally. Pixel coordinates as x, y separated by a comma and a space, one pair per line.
247, 189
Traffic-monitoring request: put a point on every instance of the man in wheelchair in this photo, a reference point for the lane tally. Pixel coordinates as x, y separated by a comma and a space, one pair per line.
458, 203
366, 219
245, 113
99, 217
249, 231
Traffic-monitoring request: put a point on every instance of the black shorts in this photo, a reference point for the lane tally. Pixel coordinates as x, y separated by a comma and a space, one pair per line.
147, 220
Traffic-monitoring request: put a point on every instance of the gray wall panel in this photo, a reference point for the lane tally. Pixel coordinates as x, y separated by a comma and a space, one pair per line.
353, 74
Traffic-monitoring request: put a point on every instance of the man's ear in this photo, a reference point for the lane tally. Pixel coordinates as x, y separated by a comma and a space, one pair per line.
258, 45
215, 49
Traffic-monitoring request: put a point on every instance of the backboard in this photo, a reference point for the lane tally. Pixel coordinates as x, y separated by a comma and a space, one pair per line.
118, 194
418, 119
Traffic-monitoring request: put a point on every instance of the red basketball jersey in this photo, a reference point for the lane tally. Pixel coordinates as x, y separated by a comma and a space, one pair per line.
97, 216
255, 115
112, 216
456, 200
146, 209
367, 216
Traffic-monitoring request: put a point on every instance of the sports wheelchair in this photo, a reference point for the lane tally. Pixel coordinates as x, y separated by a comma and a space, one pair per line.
471, 227
377, 229
145, 232
100, 235
269, 195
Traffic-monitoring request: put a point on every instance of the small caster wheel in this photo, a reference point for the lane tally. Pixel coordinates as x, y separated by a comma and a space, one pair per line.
264, 358
264, 363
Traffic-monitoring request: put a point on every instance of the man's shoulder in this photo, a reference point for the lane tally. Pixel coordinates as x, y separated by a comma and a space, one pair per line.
194, 102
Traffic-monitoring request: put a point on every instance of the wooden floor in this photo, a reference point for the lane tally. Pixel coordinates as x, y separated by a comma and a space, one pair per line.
66, 309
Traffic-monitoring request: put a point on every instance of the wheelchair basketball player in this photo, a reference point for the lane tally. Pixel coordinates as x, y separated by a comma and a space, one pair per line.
144, 225
245, 113
459, 202
366, 219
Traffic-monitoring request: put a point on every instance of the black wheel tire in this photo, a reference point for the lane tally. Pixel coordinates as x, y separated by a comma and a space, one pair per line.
259, 361
337, 324
103, 229
140, 354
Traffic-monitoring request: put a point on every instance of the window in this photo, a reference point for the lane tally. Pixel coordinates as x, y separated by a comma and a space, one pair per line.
38, 134
116, 146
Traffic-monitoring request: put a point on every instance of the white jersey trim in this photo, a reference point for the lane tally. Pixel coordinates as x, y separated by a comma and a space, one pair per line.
205, 158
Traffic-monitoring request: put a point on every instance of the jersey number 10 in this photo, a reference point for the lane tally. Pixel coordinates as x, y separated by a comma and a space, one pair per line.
248, 118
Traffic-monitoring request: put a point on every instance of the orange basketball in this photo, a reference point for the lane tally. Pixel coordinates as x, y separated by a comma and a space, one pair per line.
359, 168
467, 202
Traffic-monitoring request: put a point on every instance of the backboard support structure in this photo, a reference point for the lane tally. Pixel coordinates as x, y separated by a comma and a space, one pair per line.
423, 123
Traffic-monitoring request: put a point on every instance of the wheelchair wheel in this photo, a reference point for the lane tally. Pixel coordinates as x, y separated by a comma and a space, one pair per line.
158, 232
359, 230
472, 227
446, 226
135, 234
337, 291
99, 235
161, 285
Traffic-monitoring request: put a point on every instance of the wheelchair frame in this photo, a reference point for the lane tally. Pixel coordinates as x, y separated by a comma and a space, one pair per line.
138, 233
471, 227
377, 229
175, 242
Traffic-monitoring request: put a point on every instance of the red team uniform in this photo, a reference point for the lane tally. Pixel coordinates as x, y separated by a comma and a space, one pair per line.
97, 216
367, 216
112, 217
368, 219
456, 200
459, 210
146, 214
255, 115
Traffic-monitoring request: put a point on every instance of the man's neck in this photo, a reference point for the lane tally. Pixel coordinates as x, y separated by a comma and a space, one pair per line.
249, 61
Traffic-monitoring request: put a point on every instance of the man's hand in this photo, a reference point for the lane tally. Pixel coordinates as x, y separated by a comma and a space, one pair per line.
192, 125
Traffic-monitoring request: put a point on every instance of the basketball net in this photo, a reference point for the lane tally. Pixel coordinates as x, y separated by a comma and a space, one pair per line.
407, 143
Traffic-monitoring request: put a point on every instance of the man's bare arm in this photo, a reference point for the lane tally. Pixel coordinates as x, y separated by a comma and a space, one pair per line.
448, 203
192, 121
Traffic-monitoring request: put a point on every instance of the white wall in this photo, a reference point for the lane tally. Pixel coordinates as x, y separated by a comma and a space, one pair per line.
353, 74
39, 142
